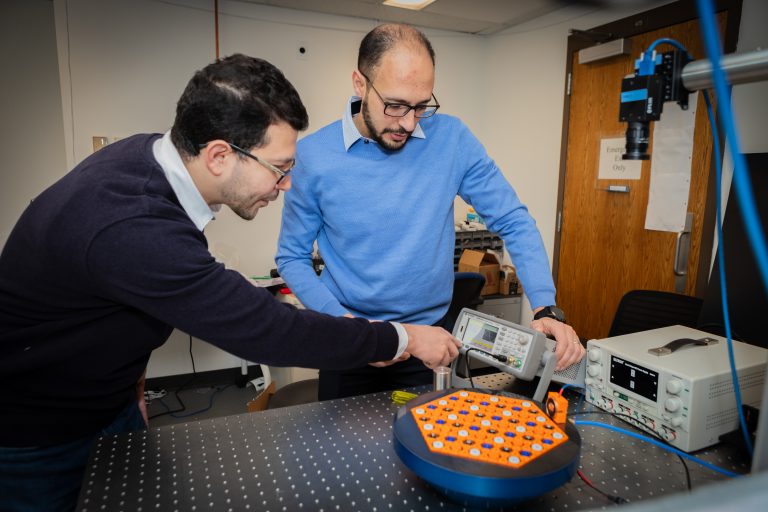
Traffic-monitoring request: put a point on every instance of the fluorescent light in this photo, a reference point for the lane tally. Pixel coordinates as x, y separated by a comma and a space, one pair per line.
415, 5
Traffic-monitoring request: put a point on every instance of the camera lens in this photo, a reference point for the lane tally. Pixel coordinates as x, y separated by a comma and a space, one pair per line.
637, 141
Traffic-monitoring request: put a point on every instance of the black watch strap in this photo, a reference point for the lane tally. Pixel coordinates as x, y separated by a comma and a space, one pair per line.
550, 312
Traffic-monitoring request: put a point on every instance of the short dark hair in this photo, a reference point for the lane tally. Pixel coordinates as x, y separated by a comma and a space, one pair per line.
235, 99
383, 38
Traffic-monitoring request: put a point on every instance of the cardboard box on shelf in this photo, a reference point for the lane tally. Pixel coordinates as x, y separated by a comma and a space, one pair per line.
483, 263
508, 283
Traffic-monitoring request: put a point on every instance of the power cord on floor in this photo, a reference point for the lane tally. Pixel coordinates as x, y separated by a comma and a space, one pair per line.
217, 389
151, 394
176, 393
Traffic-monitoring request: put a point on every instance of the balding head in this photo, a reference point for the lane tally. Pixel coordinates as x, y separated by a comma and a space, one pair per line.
384, 38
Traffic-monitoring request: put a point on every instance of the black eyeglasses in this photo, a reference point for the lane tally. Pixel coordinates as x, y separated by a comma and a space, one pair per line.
281, 173
402, 109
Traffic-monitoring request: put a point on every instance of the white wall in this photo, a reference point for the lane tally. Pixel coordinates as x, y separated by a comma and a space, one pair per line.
32, 131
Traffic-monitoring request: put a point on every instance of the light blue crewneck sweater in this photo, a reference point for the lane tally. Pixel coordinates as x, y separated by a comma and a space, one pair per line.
383, 221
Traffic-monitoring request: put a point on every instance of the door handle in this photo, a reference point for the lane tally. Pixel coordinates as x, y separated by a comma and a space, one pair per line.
680, 265
678, 244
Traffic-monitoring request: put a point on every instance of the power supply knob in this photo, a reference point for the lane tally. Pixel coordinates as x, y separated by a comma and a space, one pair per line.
589, 381
677, 421
594, 354
593, 370
672, 404
674, 386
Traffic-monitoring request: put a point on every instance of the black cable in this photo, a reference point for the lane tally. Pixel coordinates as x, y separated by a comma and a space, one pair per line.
193, 413
616, 499
618, 414
180, 388
168, 409
687, 473
192, 356
500, 358
178, 399
575, 388
210, 403
612, 497
468, 369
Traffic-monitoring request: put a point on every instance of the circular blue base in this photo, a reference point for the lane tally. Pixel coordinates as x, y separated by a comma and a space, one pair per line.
480, 484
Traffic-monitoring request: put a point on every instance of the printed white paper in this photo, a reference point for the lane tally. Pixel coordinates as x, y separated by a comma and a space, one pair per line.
671, 167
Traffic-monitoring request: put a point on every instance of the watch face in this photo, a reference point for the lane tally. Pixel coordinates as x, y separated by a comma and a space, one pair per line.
551, 312
558, 313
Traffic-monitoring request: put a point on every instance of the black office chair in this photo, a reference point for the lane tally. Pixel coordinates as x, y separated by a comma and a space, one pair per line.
466, 294
642, 310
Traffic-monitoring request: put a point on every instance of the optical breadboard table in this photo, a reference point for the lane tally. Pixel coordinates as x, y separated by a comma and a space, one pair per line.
485, 449
339, 455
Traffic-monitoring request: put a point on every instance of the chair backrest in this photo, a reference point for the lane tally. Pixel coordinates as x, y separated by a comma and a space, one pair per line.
466, 294
642, 310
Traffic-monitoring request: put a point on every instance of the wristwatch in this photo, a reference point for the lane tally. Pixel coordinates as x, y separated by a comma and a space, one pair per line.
551, 312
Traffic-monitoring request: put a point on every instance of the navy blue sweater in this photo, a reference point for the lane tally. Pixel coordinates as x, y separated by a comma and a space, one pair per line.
95, 275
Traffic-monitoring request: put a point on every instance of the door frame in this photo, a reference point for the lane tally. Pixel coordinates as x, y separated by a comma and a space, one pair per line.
654, 19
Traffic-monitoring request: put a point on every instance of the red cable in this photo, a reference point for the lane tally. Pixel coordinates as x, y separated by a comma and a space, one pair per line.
583, 477
616, 499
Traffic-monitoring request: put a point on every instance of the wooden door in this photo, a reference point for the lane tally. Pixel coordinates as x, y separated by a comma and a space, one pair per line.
603, 249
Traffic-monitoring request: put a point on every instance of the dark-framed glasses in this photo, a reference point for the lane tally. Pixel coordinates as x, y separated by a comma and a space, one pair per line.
402, 109
281, 173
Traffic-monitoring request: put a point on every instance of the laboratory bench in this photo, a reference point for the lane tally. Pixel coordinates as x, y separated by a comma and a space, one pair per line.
338, 455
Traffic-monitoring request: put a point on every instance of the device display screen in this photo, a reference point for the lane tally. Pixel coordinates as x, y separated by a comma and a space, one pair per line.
634, 378
480, 334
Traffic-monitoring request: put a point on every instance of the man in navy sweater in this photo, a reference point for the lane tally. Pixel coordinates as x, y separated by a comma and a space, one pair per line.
106, 262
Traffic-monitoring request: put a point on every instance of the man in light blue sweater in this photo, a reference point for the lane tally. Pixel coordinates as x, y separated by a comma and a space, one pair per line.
376, 191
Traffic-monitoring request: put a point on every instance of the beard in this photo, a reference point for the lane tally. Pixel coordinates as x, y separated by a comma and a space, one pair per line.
243, 212
378, 136
243, 205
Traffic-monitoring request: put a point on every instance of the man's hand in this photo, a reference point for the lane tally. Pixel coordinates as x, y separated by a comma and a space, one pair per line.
434, 346
140, 397
569, 349
382, 364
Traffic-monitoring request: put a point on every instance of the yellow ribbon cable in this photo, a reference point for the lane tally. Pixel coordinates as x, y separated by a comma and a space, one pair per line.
401, 397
